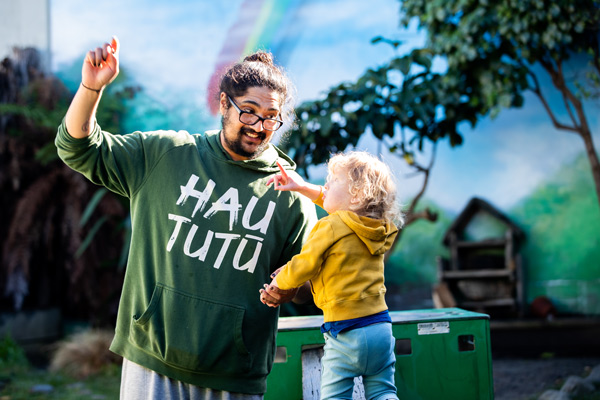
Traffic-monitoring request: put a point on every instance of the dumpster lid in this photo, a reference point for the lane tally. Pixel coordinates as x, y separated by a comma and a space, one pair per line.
398, 317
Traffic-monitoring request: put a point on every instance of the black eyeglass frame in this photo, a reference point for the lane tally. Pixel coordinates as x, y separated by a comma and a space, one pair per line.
258, 118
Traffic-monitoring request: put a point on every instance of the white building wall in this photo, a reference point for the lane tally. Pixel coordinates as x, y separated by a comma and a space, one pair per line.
25, 23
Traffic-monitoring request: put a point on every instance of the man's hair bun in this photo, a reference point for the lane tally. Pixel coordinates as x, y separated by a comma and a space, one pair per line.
260, 56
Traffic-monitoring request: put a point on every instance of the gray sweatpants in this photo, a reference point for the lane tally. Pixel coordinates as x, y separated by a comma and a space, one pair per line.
139, 383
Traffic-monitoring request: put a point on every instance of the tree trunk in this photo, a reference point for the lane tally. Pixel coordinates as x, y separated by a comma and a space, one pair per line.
593, 159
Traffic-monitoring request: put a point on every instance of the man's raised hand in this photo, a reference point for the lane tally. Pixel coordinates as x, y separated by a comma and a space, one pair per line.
101, 65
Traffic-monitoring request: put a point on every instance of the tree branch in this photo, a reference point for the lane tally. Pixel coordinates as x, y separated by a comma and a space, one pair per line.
540, 95
427, 213
565, 97
558, 80
426, 171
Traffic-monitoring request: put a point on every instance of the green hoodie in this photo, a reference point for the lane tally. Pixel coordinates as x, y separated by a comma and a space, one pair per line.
207, 233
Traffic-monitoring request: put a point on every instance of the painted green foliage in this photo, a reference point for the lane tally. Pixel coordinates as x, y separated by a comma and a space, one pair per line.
413, 261
561, 223
560, 252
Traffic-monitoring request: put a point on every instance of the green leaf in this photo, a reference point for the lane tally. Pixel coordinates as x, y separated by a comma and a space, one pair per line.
422, 57
47, 153
455, 139
402, 64
91, 206
409, 158
90, 236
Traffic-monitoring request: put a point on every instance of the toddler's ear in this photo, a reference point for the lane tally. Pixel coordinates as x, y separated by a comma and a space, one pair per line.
354, 200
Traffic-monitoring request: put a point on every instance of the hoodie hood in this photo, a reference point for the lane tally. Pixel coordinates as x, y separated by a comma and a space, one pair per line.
378, 235
265, 162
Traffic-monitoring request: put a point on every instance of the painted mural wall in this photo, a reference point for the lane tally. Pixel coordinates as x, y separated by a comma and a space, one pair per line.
537, 176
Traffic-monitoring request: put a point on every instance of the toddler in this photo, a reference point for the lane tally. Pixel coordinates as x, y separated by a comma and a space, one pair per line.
343, 259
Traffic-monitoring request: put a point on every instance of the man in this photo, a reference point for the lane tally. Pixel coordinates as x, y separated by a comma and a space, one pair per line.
207, 233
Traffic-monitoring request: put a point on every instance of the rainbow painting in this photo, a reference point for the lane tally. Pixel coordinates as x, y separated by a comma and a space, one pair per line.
271, 25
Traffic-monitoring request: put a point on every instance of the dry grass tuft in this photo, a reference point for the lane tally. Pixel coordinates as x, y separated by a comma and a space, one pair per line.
84, 354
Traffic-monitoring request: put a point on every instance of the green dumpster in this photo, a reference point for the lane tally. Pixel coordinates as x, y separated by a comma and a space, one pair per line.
440, 354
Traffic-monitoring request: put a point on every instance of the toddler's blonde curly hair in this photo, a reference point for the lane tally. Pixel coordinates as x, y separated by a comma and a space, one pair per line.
371, 185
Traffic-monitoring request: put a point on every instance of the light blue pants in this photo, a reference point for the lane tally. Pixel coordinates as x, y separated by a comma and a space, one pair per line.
366, 352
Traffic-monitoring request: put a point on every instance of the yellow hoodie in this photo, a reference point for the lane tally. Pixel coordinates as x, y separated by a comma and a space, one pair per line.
343, 260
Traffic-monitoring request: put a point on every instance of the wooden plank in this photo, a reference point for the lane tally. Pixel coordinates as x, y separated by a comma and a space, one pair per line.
311, 374
442, 297
311, 377
519, 282
482, 243
453, 251
477, 273
488, 303
508, 253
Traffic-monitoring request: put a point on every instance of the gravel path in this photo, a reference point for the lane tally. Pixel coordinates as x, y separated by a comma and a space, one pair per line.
525, 379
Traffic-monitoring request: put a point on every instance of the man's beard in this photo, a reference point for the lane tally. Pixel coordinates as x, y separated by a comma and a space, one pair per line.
237, 147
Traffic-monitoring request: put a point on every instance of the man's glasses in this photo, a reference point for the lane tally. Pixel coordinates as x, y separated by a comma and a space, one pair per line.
248, 118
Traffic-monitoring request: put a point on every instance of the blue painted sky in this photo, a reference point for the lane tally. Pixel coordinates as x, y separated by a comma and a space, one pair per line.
170, 48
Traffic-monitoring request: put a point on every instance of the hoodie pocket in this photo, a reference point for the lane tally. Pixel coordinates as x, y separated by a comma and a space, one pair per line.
192, 334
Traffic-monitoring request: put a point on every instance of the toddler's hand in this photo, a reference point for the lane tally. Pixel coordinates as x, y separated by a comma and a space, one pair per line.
272, 296
286, 181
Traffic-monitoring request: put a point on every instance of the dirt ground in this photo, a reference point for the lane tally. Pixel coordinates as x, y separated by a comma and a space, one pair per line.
525, 379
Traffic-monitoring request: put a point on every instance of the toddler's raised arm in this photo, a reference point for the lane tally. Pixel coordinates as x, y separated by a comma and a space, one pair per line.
291, 181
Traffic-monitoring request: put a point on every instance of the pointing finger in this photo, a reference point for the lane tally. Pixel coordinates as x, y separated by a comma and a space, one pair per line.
283, 173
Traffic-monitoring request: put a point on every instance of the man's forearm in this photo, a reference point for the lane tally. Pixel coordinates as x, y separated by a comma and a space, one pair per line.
81, 115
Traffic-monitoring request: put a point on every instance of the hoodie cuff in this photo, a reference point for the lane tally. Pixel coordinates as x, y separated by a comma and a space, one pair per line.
319, 200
